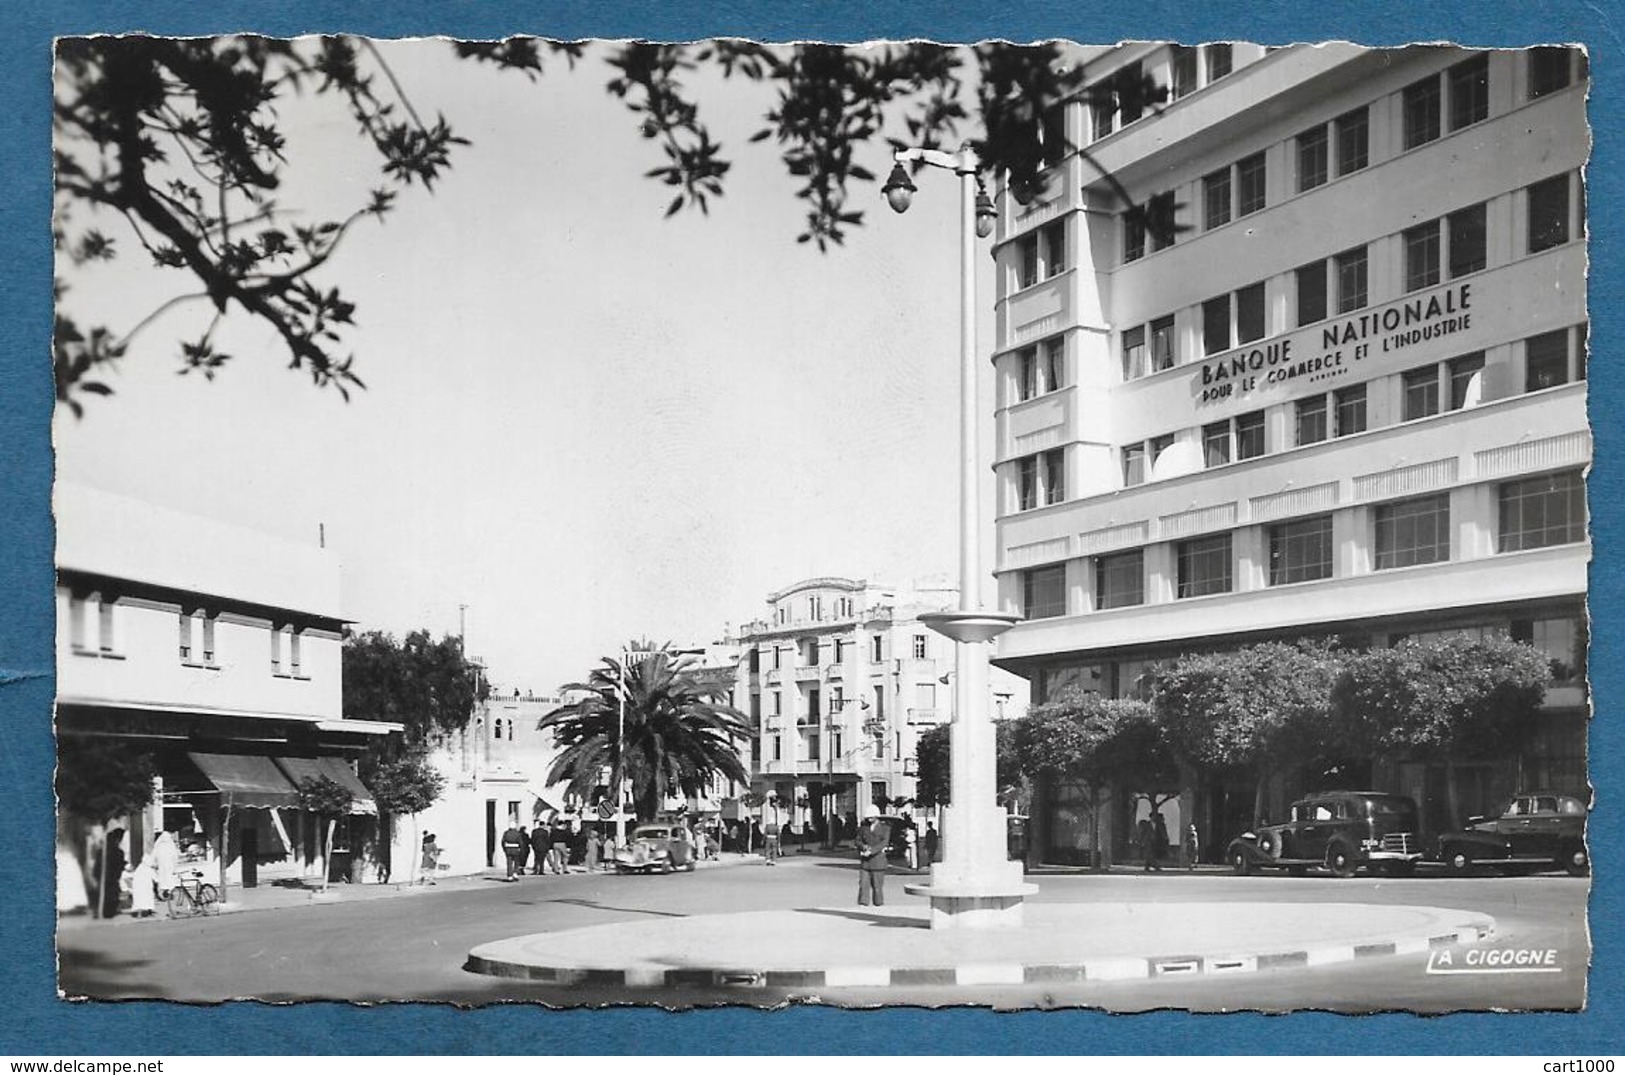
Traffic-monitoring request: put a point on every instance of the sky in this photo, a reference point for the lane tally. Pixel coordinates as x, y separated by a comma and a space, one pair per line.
583, 422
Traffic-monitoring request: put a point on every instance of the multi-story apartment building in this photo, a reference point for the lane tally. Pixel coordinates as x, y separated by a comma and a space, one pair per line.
215, 652
839, 681
1344, 396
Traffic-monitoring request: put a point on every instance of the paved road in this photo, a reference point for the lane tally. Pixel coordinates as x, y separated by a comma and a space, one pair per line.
413, 947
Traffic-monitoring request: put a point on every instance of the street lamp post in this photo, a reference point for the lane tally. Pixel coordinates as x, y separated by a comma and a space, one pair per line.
975, 886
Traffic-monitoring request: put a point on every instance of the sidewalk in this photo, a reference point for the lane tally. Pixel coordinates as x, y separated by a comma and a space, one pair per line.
307, 892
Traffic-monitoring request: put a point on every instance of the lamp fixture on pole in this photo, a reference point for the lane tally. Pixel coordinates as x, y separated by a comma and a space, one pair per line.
975, 886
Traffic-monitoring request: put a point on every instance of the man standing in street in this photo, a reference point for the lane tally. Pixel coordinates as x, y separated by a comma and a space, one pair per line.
540, 842
872, 843
512, 841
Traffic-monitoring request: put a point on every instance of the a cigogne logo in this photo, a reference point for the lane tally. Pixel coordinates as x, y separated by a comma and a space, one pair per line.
1494, 961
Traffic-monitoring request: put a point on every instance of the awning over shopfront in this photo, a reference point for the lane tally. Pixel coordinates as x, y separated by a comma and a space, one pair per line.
302, 769
246, 780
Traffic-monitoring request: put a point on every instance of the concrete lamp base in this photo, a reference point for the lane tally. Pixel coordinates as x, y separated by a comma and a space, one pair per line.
976, 902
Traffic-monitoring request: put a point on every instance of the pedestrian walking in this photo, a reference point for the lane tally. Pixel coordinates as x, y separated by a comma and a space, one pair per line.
555, 855
111, 873
511, 843
1142, 842
911, 846
594, 847
1160, 843
431, 858
540, 841
524, 847
932, 841
873, 840
166, 855
1193, 847
143, 887
770, 843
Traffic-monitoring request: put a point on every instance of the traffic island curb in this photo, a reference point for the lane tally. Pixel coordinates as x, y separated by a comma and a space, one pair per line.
906, 953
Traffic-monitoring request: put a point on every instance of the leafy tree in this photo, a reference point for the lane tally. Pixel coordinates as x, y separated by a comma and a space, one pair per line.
933, 764
97, 780
678, 735
1262, 708
1102, 743
427, 686
183, 141
404, 785
328, 800
1443, 700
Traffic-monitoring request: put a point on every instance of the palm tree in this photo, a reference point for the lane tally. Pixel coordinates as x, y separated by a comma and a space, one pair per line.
678, 733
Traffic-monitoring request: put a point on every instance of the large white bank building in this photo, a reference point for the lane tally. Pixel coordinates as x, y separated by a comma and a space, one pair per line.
1348, 397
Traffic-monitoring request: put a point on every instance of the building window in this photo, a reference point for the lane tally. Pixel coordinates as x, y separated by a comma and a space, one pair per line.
1422, 256
1027, 373
1052, 240
184, 625
778, 748
1120, 580
1351, 280
1462, 371
1157, 446
1134, 464
778, 658
1301, 551
1309, 420
1421, 106
1353, 140
1204, 566
1421, 393
1549, 213
1219, 62
919, 647
1250, 316
1216, 198
1469, 83
207, 623
1052, 129
1314, 158
778, 703
1134, 353
1350, 410
1311, 293
1562, 641
815, 609
1546, 360
877, 652
1043, 592
1026, 261
1027, 483
1548, 70
1162, 344
1127, 86
1250, 435
1411, 532
1216, 325
1250, 184
276, 650
1160, 213
1542, 511
1054, 367
1054, 476
1182, 66
837, 649
1468, 244
1133, 236
1216, 444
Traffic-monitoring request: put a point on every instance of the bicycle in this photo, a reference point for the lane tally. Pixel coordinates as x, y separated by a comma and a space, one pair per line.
192, 896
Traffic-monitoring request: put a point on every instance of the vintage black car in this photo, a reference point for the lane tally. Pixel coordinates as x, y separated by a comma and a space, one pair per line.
1341, 830
1544, 830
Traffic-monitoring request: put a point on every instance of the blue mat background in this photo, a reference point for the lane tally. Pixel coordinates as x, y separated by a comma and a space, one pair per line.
33, 1020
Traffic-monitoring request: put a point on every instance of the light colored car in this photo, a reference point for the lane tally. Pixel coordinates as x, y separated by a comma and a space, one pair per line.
656, 846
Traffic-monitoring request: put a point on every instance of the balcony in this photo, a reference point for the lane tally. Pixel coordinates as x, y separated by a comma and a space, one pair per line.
927, 716
805, 672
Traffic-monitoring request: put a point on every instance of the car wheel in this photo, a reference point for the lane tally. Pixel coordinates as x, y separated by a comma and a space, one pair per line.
1458, 860
1576, 862
1240, 862
1340, 862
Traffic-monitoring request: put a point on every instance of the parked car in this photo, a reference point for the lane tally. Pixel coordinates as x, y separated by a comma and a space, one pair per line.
1544, 829
1341, 830
656, 846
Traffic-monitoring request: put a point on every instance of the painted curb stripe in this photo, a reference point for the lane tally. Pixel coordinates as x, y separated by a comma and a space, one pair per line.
1109, 969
